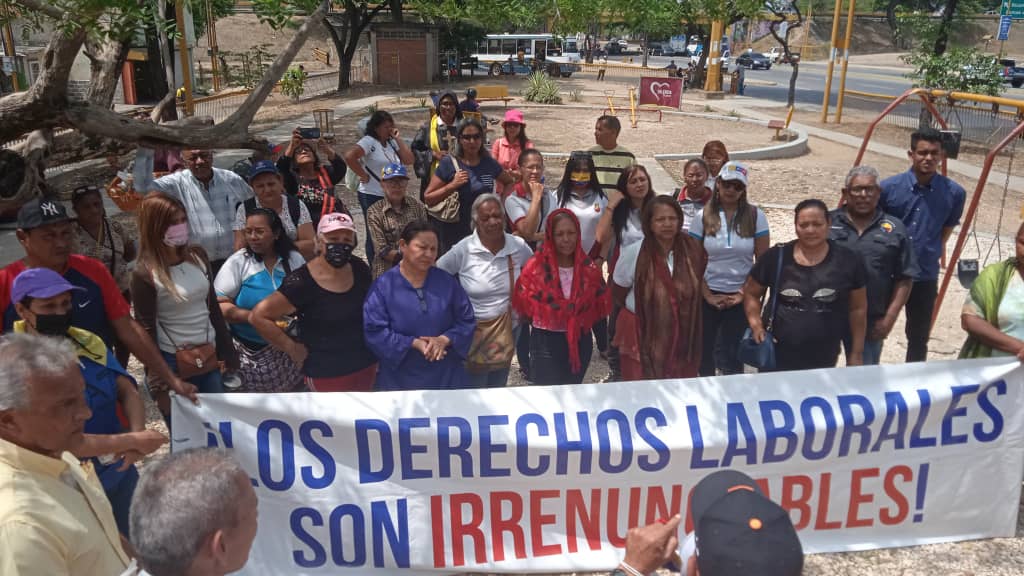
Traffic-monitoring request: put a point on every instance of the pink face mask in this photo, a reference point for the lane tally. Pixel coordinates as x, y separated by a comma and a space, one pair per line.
176, 235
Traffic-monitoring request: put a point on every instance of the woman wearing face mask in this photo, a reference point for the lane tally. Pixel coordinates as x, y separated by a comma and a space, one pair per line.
657, 283
326, 296
174, 300
419, 320
564, 295
696, 192
580, 193
310, 181
247, 277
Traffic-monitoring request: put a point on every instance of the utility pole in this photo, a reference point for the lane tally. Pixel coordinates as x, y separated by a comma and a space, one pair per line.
831, 62
186, 71
846, 60
713, 81
211, 36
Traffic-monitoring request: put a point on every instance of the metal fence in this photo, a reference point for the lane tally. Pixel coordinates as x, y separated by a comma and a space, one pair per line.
220, 106
980, 123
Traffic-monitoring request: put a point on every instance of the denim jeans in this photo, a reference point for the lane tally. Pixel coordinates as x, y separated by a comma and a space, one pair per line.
209, 383
492, 379
722, 331
872, 349
365, 201
120, 498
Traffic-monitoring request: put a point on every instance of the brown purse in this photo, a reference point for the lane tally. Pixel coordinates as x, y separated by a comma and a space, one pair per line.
493, 342
196, 360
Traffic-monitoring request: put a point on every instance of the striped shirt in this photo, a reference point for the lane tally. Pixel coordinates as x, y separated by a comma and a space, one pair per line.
386, 225
610, 164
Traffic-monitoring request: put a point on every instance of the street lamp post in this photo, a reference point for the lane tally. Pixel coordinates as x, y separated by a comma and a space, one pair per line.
846, 60
831, 62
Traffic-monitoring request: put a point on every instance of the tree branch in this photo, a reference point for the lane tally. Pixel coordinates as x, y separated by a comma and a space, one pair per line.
243, 116
42, 7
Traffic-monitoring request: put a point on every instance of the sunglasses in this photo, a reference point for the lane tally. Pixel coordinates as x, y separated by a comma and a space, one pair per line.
470, 136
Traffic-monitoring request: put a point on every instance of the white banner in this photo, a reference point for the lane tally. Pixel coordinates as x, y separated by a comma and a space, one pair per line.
549, 479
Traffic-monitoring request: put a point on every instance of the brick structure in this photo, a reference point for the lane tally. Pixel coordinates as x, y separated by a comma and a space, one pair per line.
404, 54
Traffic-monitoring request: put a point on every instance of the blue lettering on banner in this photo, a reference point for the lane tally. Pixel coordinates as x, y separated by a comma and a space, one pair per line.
954, 410
697, 460
604, 456
895, 414
445, 450
985, 403
656, 444
774, 433
366, 453
583, 445
523, 465
319, 452
489, 448
346, 535
737, 422
407, 449
916, 440
285, 454
810, 431
851, 424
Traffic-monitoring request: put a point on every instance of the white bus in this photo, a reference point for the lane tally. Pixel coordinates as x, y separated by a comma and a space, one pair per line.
559, 57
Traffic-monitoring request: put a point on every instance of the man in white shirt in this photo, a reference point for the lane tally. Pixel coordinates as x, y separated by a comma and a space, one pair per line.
54, 517
210, 196
193, 514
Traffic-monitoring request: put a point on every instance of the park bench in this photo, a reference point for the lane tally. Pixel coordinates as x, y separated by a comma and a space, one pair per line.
780, 125
493, 93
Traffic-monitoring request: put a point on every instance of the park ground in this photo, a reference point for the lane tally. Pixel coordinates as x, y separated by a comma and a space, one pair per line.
775, 184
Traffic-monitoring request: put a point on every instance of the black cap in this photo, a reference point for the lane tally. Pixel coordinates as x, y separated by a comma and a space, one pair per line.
740, 532
41, 212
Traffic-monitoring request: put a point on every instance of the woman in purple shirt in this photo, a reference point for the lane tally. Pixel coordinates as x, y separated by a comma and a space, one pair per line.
418, 319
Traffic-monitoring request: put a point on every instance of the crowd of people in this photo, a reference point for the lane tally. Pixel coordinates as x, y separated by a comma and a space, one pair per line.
254, 285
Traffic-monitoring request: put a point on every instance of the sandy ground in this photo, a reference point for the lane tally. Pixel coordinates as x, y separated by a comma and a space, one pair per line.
773, 182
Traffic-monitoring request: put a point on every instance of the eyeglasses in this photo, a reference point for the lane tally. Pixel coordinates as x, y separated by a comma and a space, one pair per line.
470, 136
862, 190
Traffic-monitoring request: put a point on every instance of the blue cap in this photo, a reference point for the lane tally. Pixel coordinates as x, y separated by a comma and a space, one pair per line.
40, 283
393, 171
262, 167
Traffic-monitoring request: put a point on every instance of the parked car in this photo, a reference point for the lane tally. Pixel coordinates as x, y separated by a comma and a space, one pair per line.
754, 61
612, 48
660, 49
773, 54
1010, 72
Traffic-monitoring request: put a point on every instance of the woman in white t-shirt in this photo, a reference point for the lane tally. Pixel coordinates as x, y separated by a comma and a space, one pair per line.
382, 145
174, 300
580, 193
734, 234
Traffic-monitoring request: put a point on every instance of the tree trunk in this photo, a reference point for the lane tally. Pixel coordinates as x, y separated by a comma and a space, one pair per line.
791, 98
643, 47
108, 58
167, 106
345, 36
339, 37
890, 18
942, 40
396, 10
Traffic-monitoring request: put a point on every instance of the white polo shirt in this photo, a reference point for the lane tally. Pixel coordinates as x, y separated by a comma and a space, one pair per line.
625, 271
375, 157
517, 207
730, 256
588, 211
483, 275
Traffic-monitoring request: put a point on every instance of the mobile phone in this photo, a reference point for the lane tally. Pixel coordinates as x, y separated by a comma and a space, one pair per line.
309, 133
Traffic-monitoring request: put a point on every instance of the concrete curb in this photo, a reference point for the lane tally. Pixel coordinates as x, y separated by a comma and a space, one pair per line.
791, 149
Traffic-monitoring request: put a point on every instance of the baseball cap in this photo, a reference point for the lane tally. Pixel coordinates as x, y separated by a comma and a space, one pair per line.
739, 531
262, 167
40, 212
734, 171
393, 171
335, 221
40, 283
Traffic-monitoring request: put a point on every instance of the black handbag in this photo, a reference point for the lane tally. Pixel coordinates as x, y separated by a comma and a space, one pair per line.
762, 356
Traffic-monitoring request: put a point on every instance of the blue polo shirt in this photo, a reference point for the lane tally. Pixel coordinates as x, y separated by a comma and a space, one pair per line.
925, 211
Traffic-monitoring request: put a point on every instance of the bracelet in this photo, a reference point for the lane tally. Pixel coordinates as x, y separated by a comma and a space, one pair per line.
630, 570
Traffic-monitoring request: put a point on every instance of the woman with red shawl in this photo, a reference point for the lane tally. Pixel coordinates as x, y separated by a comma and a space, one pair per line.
658, 283
563, 292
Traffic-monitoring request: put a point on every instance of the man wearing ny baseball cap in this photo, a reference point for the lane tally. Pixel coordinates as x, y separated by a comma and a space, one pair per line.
738, 531
44, 231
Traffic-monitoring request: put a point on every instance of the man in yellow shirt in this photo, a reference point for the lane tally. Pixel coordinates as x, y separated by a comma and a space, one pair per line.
54, 516
610, 159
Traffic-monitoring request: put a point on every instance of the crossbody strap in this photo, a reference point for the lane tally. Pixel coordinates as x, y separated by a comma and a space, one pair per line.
511, 281
775, 287
206, 273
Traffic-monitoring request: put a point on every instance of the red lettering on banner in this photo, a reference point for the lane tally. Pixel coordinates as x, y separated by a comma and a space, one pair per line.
821, 521
538, 520
801, 504
897, 497
613, 515
858, 497
471, 528
589, 520
437, 530
656, 508
511, 525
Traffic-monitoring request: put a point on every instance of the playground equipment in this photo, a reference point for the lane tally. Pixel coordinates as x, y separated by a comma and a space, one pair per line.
634, 108
970, 268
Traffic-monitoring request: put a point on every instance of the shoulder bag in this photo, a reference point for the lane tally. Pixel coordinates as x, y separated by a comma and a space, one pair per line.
447, 210
762, 356
194, 360
493, 343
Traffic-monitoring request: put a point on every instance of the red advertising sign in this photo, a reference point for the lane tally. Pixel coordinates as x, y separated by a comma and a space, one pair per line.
661, 91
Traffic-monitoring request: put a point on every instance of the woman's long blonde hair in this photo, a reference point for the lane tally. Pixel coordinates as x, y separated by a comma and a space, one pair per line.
156, 213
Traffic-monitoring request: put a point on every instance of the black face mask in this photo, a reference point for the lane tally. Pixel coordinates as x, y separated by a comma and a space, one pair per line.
53, 324
338, 254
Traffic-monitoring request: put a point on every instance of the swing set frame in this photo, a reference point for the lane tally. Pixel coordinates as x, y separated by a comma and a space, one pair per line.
927, 98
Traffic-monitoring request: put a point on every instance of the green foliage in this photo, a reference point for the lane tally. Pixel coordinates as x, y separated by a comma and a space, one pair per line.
221, 8
960, 69
542, 89
491, 15
461, 36
293, 83
254, 62
371, 109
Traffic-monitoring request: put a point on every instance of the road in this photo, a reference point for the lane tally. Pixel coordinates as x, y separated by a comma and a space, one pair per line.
810, 87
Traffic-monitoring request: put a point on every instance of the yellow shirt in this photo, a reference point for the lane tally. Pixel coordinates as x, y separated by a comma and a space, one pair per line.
54, 517
610, 164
